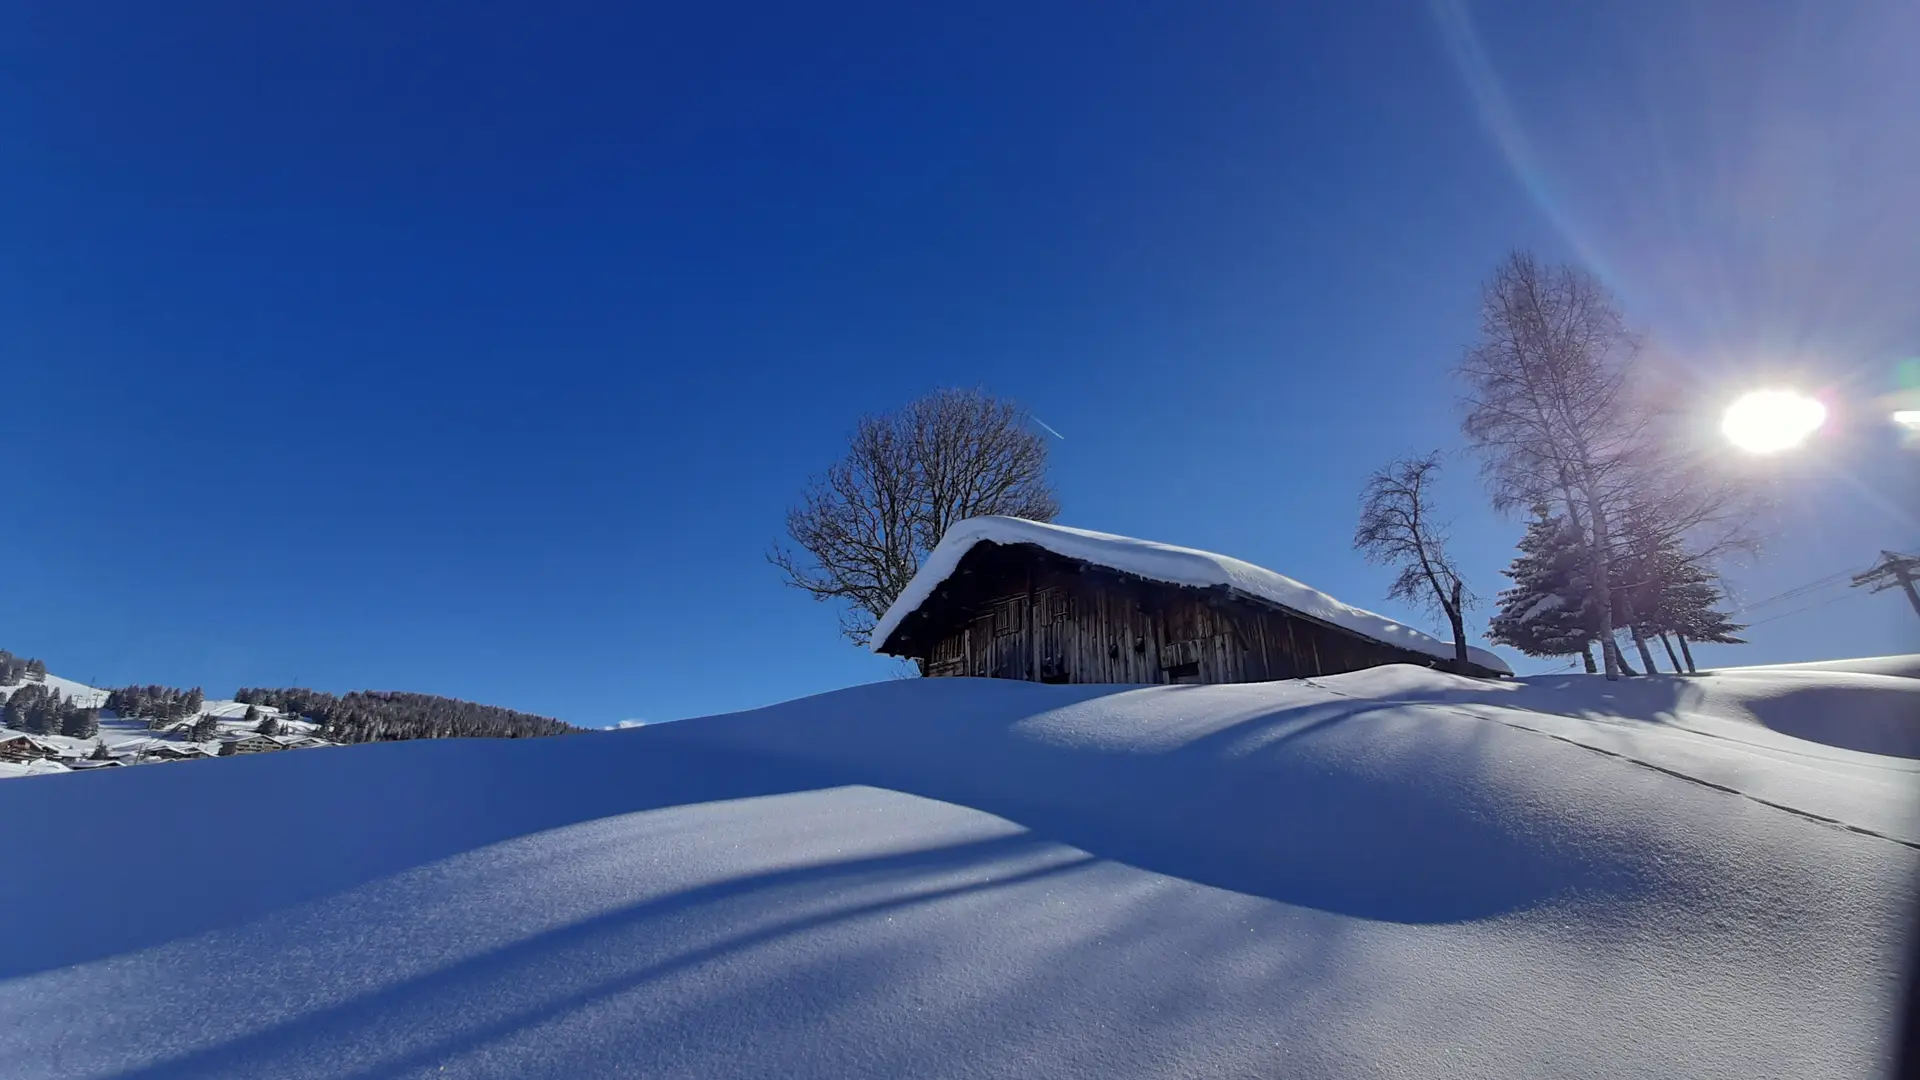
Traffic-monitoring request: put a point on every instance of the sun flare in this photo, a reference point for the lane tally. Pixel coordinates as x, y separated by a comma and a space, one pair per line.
1770, 421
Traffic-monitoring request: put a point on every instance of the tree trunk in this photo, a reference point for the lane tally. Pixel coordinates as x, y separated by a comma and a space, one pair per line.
1620, 658
1586, 653
1686, 652
1646, 654
1667, 643
1601, 569
1639, 637
1459, 628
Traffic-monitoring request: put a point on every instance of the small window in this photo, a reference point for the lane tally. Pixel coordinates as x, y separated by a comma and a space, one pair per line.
1187, 672
1006, 618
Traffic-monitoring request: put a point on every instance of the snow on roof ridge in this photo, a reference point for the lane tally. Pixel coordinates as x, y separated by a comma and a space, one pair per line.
45, 742
1157, 562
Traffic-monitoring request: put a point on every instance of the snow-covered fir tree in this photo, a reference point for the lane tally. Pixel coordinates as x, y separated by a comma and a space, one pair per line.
1546, 612
77, 722
1671, 591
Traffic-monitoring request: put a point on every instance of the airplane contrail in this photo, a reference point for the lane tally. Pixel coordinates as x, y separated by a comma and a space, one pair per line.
1049, 428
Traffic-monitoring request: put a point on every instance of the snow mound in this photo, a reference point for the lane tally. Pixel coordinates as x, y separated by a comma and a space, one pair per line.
1157, 562
1393, 872
1906, 667
1873, 713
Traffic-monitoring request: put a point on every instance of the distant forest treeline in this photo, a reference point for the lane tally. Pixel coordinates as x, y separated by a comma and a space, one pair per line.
157, 705
379, 715
360, 716
36, 709
15, 669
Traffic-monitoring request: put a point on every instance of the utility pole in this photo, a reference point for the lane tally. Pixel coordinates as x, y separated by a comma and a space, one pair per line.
1893, 570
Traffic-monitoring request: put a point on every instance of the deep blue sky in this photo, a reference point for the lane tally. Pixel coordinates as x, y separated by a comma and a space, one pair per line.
477, 348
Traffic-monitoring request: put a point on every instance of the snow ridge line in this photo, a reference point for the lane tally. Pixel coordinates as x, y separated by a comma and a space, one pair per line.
1794, 810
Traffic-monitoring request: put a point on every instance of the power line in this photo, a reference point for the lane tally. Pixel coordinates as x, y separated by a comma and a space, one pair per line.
1796, 611
1894, 570
1798, 590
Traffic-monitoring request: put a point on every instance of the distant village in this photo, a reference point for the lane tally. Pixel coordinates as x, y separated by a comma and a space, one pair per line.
53, 725
215, 729
43, 753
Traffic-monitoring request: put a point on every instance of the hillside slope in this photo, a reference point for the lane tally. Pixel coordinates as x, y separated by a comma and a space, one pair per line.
1388, 873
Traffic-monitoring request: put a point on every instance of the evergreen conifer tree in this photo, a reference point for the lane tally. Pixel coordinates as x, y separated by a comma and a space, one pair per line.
1690, 610
80, 723
1546, 612
1671, 591
43, 716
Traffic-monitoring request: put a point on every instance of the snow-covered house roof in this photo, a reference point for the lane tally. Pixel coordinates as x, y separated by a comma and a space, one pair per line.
278, 740
179, 749
37, 741
1164, 563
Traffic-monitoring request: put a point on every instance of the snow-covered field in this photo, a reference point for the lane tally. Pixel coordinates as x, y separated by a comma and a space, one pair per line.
1388, 873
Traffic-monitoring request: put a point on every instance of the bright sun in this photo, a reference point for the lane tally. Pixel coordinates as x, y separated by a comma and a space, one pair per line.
1769, 421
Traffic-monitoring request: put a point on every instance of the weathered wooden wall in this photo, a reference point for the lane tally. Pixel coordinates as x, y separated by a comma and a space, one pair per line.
1017, 612
256, 746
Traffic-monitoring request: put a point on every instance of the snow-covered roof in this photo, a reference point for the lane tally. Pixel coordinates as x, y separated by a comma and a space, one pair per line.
279, 740
1158, 562
177, 748
41, 741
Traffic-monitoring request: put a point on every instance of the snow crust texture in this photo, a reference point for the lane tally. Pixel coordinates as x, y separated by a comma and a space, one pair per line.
1157, 562
1393, 872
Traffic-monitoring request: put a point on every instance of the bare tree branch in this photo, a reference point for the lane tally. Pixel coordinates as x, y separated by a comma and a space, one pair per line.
860, 531
1558, 408
1397, 528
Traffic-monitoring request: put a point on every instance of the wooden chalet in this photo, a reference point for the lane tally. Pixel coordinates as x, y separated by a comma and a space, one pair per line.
18, 746
255, 744
1011, 599
174, 752
260, 744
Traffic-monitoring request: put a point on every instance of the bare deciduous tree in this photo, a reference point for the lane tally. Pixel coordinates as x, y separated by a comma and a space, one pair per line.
1557, 413
1547, 382
862, 529
1398, 528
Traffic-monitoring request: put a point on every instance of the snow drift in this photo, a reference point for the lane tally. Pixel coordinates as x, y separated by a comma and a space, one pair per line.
1388, 873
